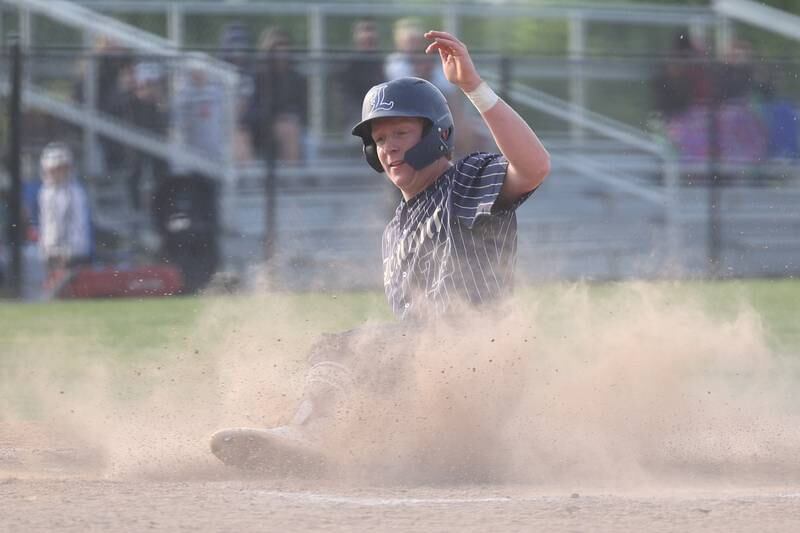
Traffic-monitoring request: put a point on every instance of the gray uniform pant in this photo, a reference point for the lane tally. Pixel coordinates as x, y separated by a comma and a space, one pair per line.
372, 358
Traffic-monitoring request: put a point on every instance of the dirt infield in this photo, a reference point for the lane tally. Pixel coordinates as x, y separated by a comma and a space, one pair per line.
635, 413
263, 505
44, 487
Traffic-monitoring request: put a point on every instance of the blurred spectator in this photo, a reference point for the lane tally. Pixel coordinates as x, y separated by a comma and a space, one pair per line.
736, 73
65, 235
236, 48
362, 71
684, 79
146, 111
148, 86
111, 62
198, 114
410, 59
278, 108
30, 205
689, 87
4, 211
33, 261
743, 136
185, 216
780, 117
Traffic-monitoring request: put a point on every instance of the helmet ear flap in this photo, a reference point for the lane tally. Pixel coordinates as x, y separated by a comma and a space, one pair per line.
446, 133
371, 153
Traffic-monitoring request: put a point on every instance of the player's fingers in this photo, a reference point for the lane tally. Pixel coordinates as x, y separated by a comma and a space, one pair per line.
442, 47
444, 53
432, 48
432, 34
453, 50
446, 39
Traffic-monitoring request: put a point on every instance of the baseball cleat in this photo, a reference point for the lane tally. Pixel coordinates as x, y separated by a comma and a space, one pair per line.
283, 450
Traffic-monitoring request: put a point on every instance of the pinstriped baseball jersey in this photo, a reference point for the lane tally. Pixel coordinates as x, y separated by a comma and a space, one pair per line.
447, 246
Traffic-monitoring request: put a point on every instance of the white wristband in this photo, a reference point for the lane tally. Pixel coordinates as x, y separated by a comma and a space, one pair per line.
483, 97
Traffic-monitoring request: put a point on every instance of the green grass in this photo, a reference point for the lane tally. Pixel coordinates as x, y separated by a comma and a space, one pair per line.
776, 301
131, 327
134, 326
128, 325
58, 343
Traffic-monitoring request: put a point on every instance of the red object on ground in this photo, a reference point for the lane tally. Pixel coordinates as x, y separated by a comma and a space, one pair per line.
121, 282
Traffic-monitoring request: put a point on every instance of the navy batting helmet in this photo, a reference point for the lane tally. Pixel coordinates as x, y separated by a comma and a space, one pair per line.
408, 97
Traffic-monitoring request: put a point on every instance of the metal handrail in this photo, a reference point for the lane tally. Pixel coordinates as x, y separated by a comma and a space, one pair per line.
757, 14
138, 138
77, 16
608, 127
631, 13
592, 170
590, 120
93, 23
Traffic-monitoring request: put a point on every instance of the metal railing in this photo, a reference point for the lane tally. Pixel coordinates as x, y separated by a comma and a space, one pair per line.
319, 16
143, 140
94, 24
762, 16
583, 127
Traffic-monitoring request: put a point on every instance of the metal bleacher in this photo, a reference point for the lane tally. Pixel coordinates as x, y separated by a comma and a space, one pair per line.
614, 206
92, 23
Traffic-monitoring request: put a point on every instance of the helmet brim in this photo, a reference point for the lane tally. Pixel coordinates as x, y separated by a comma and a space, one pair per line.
364, 128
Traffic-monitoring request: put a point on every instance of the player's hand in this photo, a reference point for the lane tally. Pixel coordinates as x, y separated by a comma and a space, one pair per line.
456, 63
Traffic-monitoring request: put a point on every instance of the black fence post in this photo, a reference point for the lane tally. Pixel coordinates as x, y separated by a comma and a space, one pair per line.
505, 79
715, 177
15, 229
270, 156
270, 200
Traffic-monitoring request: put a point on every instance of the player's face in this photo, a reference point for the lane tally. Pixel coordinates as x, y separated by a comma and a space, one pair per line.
393, 137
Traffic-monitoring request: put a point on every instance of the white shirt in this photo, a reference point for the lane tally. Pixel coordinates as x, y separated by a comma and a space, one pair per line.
64, 220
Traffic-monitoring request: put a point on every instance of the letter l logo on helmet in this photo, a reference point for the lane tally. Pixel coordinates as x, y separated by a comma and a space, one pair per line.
379, 102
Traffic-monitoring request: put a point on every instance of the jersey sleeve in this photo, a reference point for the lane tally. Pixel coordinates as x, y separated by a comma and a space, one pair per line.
477, 181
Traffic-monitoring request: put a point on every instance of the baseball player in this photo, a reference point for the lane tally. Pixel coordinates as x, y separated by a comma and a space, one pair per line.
452, 242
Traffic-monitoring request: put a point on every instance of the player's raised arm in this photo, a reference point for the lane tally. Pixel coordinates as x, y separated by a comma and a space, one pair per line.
529, 162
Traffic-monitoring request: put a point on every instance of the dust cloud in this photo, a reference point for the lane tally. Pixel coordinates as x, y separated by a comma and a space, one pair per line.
642, 385
639, 387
